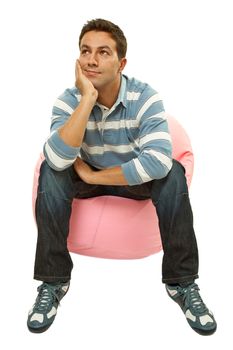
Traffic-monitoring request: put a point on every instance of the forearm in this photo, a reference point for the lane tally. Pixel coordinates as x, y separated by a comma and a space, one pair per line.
72, 132
111, 176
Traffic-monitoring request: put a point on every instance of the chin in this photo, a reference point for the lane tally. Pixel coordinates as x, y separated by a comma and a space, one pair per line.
96, 84
93, 80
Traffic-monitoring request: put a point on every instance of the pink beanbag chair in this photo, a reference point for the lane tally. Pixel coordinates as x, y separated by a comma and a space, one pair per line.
121, 228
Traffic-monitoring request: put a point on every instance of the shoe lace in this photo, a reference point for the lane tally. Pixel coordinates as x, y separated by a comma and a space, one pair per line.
46, 297
193, 299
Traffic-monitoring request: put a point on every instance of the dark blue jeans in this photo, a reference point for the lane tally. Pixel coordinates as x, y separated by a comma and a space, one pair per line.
56, 191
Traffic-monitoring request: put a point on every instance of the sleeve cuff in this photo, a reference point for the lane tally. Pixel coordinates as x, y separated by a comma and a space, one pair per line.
61, 148
131, 174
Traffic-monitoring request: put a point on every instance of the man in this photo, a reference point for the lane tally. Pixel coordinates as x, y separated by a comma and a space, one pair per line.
109, 135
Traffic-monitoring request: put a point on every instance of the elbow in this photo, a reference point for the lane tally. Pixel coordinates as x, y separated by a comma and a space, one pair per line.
163, 170
57, 166
59, 155
55, 161
168, 167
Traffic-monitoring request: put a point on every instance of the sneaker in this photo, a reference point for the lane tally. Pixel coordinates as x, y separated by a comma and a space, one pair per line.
199, 317
44, 311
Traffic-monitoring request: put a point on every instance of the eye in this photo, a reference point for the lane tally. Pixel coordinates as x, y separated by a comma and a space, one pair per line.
104, 53
85, 52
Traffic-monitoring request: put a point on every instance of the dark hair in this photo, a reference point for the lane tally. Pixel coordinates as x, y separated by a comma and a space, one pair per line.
102, 25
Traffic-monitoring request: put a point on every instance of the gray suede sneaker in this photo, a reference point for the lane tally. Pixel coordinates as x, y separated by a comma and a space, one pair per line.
44, 311
199, 317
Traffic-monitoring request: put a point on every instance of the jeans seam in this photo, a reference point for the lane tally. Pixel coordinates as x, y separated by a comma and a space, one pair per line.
52, 195
52, 277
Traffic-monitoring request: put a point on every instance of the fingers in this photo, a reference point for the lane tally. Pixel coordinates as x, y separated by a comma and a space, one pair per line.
78, 64
78, 67
78, 72
84, 85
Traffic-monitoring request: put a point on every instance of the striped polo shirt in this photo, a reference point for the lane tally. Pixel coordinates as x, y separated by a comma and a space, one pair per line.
132, 134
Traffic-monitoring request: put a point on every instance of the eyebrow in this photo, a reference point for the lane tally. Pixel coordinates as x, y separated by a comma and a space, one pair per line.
84, 46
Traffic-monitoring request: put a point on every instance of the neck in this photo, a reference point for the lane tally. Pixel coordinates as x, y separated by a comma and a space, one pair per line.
107, 95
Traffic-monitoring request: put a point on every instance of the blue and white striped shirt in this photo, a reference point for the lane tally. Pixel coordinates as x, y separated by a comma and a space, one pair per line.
133, 134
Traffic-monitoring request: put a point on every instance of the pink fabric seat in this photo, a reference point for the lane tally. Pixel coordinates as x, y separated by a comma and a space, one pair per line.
121, 228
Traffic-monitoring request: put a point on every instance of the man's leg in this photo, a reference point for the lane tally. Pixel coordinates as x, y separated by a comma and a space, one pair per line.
171, 199
180, 260
53, 263
56, 191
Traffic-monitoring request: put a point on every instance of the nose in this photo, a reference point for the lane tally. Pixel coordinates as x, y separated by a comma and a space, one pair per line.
92, 61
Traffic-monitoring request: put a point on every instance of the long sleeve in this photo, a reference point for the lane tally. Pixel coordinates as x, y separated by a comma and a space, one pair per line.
155, 157
58, 154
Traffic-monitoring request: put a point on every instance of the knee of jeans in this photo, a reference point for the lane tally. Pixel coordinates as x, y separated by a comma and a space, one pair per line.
174, 183
178, 167
177, 177
50, 179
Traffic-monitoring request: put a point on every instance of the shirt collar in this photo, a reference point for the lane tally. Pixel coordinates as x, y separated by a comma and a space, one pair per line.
122, 95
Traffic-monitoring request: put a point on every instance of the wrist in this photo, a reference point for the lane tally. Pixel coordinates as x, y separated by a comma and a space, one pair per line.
91, 177
89, 99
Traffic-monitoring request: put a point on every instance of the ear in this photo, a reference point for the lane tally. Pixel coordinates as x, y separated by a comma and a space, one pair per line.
123, 62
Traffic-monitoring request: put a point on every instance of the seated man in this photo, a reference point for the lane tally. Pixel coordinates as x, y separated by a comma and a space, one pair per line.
109, 136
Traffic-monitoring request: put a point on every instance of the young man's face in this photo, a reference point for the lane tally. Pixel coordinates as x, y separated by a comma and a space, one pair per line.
99, 60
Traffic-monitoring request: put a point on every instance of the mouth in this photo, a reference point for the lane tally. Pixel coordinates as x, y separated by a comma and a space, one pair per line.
91, 73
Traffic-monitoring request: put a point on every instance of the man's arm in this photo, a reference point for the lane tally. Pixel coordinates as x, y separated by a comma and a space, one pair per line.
69, 123
73, 130
111, 176
154, 160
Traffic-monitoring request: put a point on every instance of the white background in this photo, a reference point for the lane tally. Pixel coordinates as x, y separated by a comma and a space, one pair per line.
183, 49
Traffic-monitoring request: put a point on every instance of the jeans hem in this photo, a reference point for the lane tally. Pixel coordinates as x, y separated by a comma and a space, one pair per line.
177, 280
50, 279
